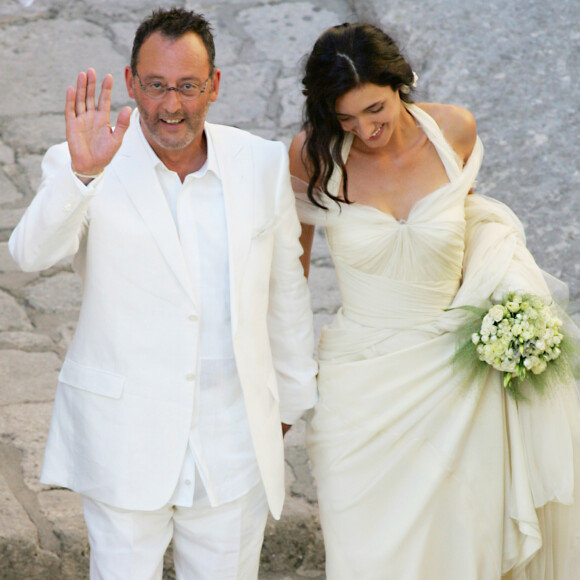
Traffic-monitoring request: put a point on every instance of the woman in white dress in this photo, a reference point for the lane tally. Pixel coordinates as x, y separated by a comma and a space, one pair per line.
423, 471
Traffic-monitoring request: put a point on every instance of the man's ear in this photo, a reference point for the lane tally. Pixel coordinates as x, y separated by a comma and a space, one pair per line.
129, 81
215, 84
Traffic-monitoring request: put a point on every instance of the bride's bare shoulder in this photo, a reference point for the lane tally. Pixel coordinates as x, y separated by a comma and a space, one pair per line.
457, 124
298, 164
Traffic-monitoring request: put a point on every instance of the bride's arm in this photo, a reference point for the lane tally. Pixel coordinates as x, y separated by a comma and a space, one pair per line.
306, 238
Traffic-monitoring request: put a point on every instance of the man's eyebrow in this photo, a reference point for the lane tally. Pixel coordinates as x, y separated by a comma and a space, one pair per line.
158, 77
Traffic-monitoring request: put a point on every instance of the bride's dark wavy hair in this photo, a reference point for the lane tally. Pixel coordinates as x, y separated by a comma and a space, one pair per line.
343, 58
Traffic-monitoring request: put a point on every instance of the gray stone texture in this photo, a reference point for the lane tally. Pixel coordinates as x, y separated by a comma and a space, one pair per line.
514, 64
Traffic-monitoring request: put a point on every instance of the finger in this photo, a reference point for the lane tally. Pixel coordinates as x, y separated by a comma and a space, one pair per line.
69, 106
123, 120
91, 89
105, 96
80, 100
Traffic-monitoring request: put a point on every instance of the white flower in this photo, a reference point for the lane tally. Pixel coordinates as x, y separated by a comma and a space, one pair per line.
539, 367
527, 334
497, 312
486, 324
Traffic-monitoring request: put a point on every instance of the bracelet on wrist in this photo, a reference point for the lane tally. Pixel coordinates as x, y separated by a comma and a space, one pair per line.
85, 176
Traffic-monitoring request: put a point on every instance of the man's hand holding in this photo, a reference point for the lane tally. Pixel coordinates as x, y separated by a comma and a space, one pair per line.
91, 140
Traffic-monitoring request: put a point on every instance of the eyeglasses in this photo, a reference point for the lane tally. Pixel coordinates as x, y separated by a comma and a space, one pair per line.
187, 91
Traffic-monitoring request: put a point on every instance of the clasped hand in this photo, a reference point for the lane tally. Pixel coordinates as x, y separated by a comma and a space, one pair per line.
91, 140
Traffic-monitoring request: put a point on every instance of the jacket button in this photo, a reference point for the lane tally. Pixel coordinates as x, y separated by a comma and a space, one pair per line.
190, 377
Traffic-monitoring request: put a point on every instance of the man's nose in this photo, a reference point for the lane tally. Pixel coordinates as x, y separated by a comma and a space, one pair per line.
172, 99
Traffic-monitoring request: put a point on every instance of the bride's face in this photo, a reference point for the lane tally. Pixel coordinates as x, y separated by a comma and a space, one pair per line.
370, 112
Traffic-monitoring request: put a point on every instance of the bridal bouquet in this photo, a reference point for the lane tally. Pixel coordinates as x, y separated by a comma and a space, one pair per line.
520, 337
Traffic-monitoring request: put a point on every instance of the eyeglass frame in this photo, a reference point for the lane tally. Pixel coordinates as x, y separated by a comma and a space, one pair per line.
202, 89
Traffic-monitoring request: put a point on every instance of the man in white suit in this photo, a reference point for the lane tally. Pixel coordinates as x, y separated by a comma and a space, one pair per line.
194, 340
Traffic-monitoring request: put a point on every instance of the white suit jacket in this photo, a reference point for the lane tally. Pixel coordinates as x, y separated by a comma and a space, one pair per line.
123, 406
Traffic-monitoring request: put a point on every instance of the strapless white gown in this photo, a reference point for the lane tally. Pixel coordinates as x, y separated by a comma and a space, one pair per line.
422, 474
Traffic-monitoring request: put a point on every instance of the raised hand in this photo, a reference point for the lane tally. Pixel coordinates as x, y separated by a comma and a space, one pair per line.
91, 140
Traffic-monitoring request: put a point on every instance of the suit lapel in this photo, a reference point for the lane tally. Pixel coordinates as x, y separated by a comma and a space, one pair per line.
235, 163
138, 177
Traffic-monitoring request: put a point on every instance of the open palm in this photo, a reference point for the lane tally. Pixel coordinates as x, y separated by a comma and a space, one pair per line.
91, 140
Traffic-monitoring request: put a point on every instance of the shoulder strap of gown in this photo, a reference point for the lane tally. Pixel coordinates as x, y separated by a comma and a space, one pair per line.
452, 162
462, 175
336, 177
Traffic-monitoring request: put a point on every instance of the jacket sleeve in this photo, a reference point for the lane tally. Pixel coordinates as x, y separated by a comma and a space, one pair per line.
56, 221
290, 320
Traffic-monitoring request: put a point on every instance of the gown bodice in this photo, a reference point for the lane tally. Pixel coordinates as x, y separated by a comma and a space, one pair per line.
417, 262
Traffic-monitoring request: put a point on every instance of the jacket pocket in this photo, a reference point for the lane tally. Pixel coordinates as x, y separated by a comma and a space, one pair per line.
92, 380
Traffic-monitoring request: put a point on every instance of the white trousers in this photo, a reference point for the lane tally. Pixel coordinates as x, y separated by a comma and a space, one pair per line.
209, 543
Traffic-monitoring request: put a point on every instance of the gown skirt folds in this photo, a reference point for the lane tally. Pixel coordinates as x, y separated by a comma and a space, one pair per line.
423, 470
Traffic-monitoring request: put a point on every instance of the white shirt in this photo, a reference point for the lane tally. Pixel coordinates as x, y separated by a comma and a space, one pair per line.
220, 445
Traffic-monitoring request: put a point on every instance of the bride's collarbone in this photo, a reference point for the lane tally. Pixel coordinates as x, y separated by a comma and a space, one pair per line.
394, 186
